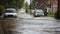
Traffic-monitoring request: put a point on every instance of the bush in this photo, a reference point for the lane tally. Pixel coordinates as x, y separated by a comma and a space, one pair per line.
51, 14
2, 10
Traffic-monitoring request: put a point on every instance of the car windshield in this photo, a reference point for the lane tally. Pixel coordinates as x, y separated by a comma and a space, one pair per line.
10, 11
39, 11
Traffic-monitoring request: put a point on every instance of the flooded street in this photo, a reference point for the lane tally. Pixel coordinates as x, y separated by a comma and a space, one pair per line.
29, 17
29, 26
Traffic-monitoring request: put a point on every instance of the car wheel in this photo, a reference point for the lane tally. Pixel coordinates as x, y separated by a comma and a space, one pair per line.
4, 16
15, 17
35, 16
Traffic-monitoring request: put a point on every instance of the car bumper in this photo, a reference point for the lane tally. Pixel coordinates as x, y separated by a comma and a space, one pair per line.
38, 15
10, 15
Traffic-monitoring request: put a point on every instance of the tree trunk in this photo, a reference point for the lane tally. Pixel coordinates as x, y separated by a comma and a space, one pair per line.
57, 15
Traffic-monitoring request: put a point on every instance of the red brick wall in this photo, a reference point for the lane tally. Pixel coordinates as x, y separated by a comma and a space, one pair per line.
52, 3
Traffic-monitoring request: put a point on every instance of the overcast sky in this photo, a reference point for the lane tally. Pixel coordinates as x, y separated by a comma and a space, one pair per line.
28, 1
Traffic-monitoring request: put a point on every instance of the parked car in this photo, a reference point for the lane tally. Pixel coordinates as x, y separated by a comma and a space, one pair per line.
38, 13
10, 12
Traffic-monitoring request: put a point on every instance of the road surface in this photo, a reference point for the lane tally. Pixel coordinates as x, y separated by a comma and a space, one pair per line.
29, 26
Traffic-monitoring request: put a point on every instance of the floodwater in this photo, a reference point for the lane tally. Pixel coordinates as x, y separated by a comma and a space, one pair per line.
30, 26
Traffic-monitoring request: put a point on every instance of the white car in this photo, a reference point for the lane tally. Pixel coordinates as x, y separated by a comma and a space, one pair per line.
38, 13
10, 12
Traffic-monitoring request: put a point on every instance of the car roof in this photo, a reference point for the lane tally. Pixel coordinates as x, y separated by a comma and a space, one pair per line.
38, 9
10, 9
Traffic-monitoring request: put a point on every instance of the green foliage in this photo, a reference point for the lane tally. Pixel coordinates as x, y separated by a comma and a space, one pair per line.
2, 2
57, 14
10, 4
51, 14
1, 10
15, 3
32, 5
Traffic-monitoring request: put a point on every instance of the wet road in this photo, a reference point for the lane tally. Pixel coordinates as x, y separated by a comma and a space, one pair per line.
29, 26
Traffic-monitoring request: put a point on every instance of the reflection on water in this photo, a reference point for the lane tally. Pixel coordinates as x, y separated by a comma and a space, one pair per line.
7, 25
10, 24
58, 21
11, 32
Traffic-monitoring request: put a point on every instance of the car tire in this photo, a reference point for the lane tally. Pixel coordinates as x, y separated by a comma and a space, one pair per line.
15, 17
35, 16
4, 16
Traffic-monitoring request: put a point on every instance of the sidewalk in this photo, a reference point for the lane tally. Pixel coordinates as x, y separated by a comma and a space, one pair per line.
43, 18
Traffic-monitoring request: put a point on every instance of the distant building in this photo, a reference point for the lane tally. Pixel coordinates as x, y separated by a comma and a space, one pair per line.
40, 4
50, 5
53, 5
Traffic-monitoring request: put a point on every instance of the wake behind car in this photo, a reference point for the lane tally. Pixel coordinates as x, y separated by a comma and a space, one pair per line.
38, 13
22, 11
10, 12
32, 12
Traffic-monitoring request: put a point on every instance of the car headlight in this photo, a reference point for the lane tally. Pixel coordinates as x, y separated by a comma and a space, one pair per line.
5, 14
43, 14
15, 15
35, 14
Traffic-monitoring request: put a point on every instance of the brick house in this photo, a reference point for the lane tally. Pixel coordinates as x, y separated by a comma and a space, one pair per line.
50, 5
53, 5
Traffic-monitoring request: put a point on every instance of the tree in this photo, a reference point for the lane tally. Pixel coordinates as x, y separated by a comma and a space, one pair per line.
32, 4
21, 3
26, 7
57, 15
11, 3
15, 3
